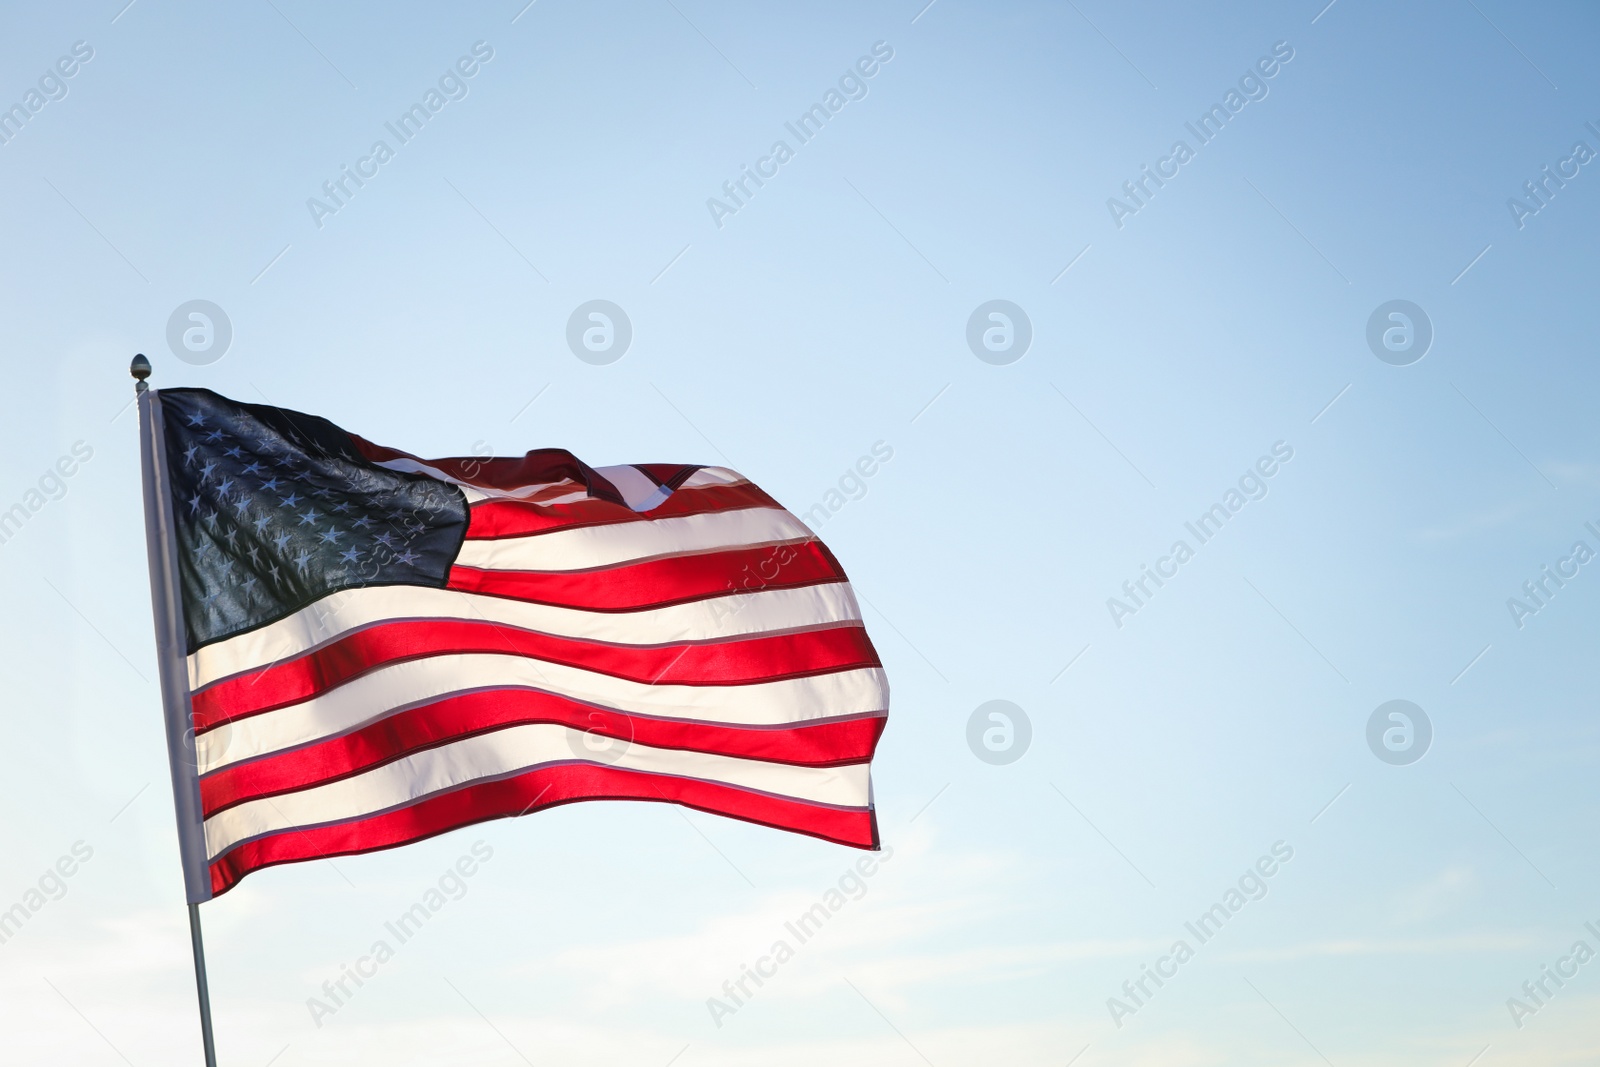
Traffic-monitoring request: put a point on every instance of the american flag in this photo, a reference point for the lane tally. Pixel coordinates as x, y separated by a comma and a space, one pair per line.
377, 648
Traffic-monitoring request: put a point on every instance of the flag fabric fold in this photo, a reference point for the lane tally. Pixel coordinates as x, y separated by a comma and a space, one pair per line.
379, 648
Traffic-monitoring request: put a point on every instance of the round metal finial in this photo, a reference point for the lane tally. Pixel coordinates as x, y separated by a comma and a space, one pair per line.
140, 369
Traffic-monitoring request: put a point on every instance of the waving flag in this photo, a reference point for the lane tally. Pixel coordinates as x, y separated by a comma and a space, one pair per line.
371, 648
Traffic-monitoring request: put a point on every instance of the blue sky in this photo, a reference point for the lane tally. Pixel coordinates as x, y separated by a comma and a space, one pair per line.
1225, 317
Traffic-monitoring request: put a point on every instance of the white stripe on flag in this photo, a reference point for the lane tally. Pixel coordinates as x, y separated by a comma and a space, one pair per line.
354, 609
377, 693
712, 476
605, 546
639, 491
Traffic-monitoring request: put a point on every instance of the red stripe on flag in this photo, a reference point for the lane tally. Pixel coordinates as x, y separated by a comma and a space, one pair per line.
543, 787
659, 582
543, 466
764, 658
494, 519
825, 743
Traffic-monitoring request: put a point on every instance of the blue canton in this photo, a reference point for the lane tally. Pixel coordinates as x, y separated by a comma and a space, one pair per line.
275, 510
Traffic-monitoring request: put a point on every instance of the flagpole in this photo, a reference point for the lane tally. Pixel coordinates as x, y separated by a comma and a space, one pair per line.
202, 986
170, 651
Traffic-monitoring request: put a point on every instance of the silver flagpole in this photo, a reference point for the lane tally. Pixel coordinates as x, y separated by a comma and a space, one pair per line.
201, 985
170, 651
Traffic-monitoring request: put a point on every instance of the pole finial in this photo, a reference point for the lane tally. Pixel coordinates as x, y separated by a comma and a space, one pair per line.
140, 369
